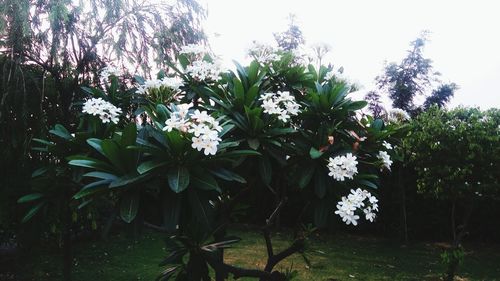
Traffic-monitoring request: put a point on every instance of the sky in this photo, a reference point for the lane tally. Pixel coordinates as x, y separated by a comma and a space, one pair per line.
464, 36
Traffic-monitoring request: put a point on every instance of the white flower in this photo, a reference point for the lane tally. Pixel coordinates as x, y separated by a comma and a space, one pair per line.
369, 215
108, 71
263, 53
203, 127
357, 202
397, 115
172, 83
329, 75
106, 111
281, 104
385, 158
203, 70
387, 145
183, 109
342, 167
201, 116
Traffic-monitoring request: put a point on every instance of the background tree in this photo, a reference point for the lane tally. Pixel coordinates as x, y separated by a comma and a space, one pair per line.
440, 96
374, 104
412, 77
49, 49
291, 38
460, 179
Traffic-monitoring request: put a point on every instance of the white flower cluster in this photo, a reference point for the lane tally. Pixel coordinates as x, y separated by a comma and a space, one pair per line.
173, 83
108, 71
193, 49
205, 128
329, 75
263, 53
396, 115
282, 104
338, 75
385, 158
203, 70
342, 167
358, 199
106, 111
386, 145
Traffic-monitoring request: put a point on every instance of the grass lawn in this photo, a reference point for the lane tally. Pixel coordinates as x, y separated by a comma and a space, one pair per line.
333, 257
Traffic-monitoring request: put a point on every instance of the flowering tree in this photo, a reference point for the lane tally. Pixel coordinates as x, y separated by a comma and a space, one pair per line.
194, 138
455, 154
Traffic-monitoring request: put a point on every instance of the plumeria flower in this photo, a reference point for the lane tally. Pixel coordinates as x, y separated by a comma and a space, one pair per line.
172, 83
342, 167
385, 158
355, 203
106, 111
204, 71
398, 115
203, 127
109, 71
281, 104
263, 53
387, 145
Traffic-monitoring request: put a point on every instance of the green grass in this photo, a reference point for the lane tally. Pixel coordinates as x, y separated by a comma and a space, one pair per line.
333, 257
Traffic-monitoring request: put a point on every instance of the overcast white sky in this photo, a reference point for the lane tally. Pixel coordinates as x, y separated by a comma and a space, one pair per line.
464, 41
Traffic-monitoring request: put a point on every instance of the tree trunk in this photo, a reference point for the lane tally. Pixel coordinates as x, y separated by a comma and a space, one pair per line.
457, 239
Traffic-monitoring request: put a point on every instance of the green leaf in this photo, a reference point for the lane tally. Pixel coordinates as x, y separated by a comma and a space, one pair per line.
91, 163
377, 124
253, 143
92, 188
38, 172
238, 153
252, 93
239, 92
314, 153
183, 60
129, 135
96, 144
60, 131
129, 206
178, 179
305, 175
202, 210
205, 181
128, 180
265, 170
112, 152
149, 165
367, 183
32, 212
227, 175
252, 72
357, 105
101, 175
30, 197
171, 209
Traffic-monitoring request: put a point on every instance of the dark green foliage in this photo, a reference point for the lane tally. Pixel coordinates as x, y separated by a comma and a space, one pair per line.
436, 137
440, 96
